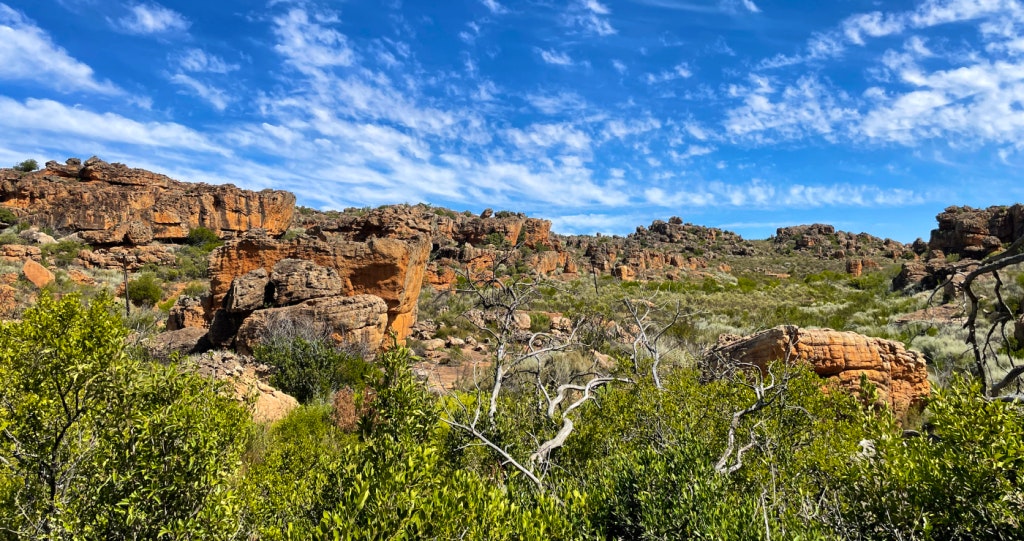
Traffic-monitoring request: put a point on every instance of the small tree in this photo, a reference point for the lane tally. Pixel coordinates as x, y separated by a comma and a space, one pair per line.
27, 166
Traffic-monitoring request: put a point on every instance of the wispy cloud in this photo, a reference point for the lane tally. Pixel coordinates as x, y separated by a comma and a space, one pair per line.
47, 118
761, 194
27, 53
152, 18
216, 97
494, 6
555, 58
590, 16
310, 44
199, 61
680, 71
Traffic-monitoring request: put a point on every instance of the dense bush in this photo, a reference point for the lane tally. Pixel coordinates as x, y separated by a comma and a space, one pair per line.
27, 166
96, 445
145, 290
311, 368
7, 217
62, 253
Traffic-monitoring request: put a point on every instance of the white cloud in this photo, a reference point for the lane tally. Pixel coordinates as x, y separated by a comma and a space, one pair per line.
554, 58
494, 7
874, 24
804, 108
619, 66
28, 54
554, 104
751, 6
57, 120
152, 18
199, 61
679, 71
309, 45
590, 16
546, 136
761, 194
212, 95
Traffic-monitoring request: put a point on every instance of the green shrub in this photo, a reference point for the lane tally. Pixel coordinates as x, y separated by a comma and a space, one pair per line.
96, 445
62, 253
145, 290
10, 237
540, 322
311, 368
8, 217
27, 166
203, 238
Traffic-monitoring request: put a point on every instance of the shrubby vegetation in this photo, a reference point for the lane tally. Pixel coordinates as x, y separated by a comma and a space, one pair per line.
96, 443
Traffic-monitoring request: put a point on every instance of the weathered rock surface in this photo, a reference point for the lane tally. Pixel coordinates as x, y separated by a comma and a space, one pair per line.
824, 241
117, 257
113, 204
294, 281
183, 341
39, 275
188, 312
975, 233
249, 292
20, 252
248, 379
391, 269
901, 375
359, 319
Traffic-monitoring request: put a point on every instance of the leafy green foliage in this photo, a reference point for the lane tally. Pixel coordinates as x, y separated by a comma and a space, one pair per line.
27, 166
62, 253
7, 216
203, 238
96, 445
145, 290
311, 368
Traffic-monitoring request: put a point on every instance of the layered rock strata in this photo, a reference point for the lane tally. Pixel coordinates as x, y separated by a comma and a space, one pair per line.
112, 204
900, 375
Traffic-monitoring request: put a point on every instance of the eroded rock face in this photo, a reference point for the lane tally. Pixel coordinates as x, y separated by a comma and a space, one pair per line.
975, 233
901, 376
391, 269
360, 319
186, 313
113, 204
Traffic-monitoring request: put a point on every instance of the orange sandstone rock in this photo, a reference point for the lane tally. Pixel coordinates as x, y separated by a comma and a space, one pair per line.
901, 375
37, 274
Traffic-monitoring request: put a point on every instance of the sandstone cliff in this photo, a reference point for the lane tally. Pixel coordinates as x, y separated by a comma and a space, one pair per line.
112, 204
901, 375
392, 269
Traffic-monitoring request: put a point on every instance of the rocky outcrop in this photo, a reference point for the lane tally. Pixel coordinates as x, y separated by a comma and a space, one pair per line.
111, 204
248, 379
356, 320
975, 233
187, 313
19, 252
825, 242
900, 375
135, 257
261, 271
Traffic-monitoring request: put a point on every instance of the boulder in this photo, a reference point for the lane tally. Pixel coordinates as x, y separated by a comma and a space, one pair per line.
392, 269
249, 292
182, 341
901, 375
295, 280
35, 236
186, 313
355, 320
39, 275
114, 204
135, 257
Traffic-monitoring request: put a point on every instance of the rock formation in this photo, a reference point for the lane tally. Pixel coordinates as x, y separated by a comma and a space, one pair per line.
901, 376
975, 233
111, 204
257, 271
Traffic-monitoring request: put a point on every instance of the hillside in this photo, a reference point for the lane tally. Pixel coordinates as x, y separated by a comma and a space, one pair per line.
546, 380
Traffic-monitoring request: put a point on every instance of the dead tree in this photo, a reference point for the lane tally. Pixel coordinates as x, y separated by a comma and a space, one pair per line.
985, 344
524, 356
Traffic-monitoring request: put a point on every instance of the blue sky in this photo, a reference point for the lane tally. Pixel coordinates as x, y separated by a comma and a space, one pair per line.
600, 115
